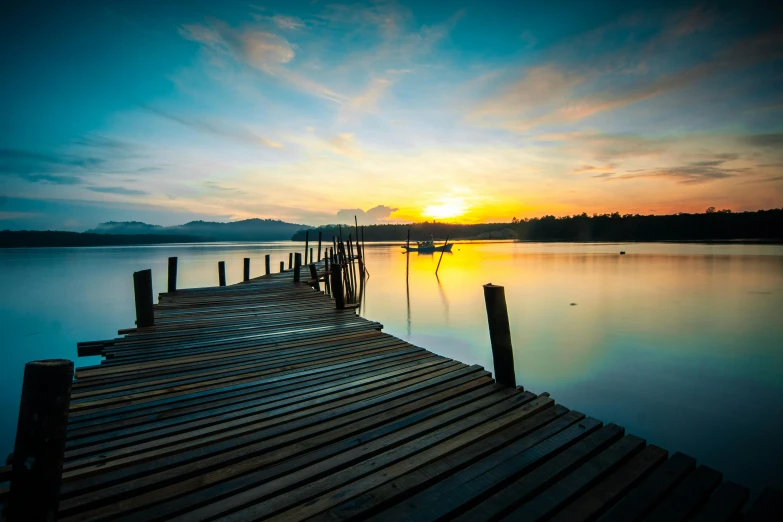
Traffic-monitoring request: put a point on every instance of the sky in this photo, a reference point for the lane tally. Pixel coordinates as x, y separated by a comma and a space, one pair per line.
312, 112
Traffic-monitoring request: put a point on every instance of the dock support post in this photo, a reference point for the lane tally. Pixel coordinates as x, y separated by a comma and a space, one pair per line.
39, 449
267, 267
222, 273
307, 244
500, 334
142, 290
172, 274
246, 274
297, 266
282, 266
290, 260
337, 286
314, 276
326, 274
320, 233
311, 255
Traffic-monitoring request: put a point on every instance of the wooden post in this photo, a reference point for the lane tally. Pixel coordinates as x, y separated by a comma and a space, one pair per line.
320, 232
297, 266
337, 286
314, 276
172, 274
408, 241
142, 290
326, 274
500, 334
290, 260
246, 274
39, 449
441, 254
312, 259
307, 244
222, 273
282, 266
267, 259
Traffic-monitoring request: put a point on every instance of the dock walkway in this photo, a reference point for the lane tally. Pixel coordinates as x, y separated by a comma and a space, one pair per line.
260, 400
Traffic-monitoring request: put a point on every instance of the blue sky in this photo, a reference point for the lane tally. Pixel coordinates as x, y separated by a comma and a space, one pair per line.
475, 111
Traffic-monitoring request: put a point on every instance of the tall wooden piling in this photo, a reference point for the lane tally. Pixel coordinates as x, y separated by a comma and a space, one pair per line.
314, 276
246, 271
172, 274
500, 334
39, 449
326, 274
320, 233
307, 244
297, 266
267, 260
290, 260
222, 273
282, 266
337, 286
142, 290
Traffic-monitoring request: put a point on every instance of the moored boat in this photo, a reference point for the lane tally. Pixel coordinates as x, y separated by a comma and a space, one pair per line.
428, 247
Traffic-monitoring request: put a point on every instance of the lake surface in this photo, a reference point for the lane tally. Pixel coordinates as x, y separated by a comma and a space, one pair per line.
681, 344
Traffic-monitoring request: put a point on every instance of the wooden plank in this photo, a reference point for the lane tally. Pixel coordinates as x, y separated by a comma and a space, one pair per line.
643, 498
724, 505
539, 479
688, 497
595, 501
461, 490
768, 507
381, 497
558, 495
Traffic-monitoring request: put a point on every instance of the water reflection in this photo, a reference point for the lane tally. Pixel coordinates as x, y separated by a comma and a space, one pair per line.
679, 343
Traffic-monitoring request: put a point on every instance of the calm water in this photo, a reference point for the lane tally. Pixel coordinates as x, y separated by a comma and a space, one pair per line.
680, 343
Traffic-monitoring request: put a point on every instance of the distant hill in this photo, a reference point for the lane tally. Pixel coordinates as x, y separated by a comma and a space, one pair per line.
245, 230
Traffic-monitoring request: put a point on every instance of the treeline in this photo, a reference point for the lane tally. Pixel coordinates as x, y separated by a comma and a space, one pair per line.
712, 225
49, 238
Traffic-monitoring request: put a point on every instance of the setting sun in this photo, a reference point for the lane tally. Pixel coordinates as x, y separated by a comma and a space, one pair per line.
446, 208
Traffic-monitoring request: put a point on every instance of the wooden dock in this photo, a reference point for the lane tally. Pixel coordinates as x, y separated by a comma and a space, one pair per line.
262, 401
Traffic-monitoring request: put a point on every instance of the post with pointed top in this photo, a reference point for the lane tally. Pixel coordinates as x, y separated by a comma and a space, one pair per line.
246, 272
297, 266
500, 334
267, 267
172, 274
142, 290
314, 276
337, 286
39, 450
222, 273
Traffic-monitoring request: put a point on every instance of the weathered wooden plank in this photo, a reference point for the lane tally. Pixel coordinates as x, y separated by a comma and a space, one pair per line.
643, 498
595, 501
724, 505
768, 507
688, 497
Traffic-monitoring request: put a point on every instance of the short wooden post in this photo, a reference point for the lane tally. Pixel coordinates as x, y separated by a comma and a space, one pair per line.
326, 274
222, 273
282, 266
172, 274
314, 276
311, 255
142, 290
297, 266
267, 268
246, 272
320, 233
307, 244
39, 449
500, 334
337, 286
290, 260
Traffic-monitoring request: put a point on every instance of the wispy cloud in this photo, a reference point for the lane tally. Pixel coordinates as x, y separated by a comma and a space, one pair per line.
118, 190
374, 215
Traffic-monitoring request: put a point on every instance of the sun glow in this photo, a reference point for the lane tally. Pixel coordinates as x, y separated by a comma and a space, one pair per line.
446, 208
